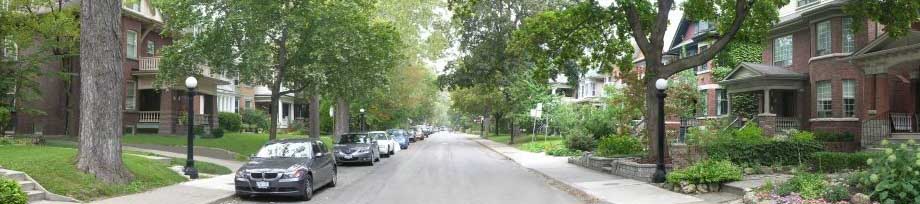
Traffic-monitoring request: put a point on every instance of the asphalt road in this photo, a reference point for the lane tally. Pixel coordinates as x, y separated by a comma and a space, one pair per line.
443, 169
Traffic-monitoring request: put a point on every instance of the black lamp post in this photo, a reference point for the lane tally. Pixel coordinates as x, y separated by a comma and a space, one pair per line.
363, 122
190, 170
659, 176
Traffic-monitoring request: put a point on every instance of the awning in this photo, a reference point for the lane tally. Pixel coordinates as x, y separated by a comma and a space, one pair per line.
752, 77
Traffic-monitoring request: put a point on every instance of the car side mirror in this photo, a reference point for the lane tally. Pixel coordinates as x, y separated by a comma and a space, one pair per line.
319, 154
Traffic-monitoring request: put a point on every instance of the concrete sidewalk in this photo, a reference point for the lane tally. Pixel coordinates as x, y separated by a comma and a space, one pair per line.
199, 191
605, 188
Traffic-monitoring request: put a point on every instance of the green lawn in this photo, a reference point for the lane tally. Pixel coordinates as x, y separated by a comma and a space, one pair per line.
523, 142
58, 174
203, 167
243, 143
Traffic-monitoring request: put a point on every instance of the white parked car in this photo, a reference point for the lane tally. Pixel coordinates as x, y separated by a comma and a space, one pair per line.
385, 143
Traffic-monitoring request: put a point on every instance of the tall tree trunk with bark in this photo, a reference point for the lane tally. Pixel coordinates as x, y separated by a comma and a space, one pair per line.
314, 116
273, 109
102, 85
341, 116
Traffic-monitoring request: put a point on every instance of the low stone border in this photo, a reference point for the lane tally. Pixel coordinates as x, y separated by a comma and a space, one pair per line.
626, 167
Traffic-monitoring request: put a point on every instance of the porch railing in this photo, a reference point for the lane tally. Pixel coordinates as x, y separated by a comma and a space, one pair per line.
148, 116
786, 123
149, 63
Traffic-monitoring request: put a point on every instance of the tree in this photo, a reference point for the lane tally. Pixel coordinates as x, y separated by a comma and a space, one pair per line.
102, 85
897, 16
258, 42
561, 37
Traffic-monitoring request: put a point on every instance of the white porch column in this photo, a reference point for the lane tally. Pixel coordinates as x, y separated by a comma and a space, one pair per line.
291, 112
766, 101
280, 109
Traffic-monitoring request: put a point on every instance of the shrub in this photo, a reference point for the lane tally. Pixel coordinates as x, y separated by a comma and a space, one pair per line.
802, 136
809, 186
750, 133
230, 121
257, 119
836, 193
834, 137
11, 193
706, 172
582, 141
893, 177
764, 153
566, 152
838, 161
217, 133
618, 145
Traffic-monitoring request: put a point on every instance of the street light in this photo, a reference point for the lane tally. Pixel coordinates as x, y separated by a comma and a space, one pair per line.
659, 176
190, 170
363, 121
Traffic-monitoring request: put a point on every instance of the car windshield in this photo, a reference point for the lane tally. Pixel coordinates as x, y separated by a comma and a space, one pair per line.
379, 136
286, 149
354, 139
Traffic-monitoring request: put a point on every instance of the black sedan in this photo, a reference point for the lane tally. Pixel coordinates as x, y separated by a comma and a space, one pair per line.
290, 167
357, 148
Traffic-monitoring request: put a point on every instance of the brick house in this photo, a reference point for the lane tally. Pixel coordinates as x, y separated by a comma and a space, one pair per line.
817, 74
146, 107
692, 38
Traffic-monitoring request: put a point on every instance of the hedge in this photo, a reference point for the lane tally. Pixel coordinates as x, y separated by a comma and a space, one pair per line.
11, 193
232, 122
837, 161
764, 153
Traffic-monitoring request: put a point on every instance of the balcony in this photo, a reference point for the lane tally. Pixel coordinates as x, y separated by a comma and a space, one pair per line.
148, 63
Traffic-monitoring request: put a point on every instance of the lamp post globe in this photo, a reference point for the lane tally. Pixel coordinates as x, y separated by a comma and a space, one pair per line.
191, 82
661, 84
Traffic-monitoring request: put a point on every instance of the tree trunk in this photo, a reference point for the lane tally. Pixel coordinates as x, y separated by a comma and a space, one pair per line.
497, 123
513, 126
102, 85
314, 116
273, 109
341, 116
651, 125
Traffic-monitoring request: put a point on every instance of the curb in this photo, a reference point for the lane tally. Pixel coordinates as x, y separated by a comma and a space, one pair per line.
559, 184
223, 199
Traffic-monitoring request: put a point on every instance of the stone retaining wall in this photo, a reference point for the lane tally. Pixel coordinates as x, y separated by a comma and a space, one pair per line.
626, 167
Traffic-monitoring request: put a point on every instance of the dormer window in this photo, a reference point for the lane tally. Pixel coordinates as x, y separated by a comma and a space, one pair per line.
134, 5
804, 3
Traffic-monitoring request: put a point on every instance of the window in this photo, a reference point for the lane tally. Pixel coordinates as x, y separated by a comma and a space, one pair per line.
823, 38
722, 102
131, 96
133, 4
132, 44
703, 27
704, 66
10, 50
824, 98
849, 44
151, 48
849, 98
782, 51
4, 4
803, 3
703, 106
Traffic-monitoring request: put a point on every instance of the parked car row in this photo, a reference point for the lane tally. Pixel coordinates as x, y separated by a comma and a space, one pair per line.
297, 167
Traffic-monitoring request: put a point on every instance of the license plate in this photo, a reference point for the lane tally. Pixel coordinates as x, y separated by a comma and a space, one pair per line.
261, 184
347, 156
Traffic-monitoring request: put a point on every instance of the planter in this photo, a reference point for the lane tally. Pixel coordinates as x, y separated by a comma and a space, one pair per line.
841, 146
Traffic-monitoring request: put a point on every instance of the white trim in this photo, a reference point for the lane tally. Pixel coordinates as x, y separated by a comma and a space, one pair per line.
833, 120
704, 71
712, 117
708, 86
844, 54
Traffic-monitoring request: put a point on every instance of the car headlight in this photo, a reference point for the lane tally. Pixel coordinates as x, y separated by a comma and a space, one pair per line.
364, 150
291, 176
241, 175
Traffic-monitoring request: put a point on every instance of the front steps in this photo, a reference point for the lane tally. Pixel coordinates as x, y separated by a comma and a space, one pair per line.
35, 192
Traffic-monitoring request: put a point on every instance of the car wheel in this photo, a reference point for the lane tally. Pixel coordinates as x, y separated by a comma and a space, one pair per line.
335, 177
308, 188
378, 158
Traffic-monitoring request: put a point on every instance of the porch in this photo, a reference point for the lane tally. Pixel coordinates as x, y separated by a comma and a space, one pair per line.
779, 95
165, 111
890, 69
